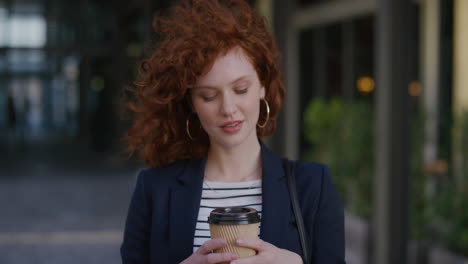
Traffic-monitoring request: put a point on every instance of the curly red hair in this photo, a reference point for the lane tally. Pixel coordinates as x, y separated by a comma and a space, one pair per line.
190, 38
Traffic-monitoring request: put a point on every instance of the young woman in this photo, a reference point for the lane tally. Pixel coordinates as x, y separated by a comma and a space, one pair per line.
207, 95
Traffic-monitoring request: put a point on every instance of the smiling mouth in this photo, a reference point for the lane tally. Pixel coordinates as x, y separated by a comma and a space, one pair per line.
232, 124
232, 127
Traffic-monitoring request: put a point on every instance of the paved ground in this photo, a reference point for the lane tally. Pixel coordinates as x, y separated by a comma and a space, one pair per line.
63, 220
61, 204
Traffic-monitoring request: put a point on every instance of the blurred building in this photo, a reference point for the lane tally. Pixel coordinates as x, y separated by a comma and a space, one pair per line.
64, 64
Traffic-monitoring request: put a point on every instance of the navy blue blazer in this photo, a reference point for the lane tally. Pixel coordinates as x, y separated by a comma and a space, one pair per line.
160, 225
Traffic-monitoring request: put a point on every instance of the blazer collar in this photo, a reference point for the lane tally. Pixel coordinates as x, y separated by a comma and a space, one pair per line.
193, 173
271, 164
183, 211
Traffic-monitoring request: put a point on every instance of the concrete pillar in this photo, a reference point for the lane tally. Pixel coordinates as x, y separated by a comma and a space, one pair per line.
286, 138
265, 9
390, 222
430, 74
460, 74
460, 81
291, 71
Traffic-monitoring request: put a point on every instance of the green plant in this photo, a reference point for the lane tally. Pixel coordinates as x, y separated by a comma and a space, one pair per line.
419, 206
341, 135
447, 208
456, 212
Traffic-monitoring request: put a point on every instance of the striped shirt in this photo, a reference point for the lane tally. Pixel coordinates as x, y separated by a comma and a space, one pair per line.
225, 194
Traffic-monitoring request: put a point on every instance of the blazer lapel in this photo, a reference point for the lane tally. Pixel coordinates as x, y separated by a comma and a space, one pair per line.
275, 204
183, 210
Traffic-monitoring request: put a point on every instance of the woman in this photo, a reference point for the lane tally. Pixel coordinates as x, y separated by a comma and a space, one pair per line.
207, 95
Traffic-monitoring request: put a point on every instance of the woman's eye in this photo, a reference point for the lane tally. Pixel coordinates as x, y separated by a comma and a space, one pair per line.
208, 98
241, 91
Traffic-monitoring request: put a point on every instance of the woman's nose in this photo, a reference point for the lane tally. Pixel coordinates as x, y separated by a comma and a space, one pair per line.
228, 105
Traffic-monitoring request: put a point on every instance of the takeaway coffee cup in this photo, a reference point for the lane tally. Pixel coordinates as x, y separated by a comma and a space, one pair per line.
234, 222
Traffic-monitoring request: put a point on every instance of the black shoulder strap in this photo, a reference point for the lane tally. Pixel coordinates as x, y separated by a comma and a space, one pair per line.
289, 167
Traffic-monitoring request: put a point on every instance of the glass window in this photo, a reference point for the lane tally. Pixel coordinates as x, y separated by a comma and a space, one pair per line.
28, 31
26, 60
3, 28
2, 63
334, 60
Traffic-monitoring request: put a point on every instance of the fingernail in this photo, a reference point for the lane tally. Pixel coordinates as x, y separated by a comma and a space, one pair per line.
240, 241
234, 256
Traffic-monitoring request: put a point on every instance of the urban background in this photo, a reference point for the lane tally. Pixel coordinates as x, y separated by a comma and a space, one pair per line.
376, 89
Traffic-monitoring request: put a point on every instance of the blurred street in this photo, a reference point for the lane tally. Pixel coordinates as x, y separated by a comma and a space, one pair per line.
61, 204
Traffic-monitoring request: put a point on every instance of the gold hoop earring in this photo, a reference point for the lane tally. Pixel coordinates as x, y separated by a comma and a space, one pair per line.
187, 129
268, 114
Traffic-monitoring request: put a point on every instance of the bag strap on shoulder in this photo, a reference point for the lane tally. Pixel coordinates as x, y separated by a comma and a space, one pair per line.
290, 168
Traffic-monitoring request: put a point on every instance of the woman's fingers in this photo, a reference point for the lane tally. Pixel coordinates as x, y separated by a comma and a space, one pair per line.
266, 253
253, 243
211, 245
221, 257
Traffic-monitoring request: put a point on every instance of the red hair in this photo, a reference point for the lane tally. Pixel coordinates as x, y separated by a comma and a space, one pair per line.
190, 38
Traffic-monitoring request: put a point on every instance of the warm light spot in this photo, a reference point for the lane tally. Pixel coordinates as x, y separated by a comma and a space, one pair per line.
414, 88
365, 84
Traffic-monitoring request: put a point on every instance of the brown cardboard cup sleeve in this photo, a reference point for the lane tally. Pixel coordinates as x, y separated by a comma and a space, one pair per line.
234, 222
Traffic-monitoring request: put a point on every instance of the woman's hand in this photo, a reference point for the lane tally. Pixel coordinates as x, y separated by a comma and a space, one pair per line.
266, 253
204, 254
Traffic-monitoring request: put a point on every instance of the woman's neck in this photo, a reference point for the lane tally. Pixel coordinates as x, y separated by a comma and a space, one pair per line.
241, 163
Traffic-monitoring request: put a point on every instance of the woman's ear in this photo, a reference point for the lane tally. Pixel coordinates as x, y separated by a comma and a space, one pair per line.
262, 92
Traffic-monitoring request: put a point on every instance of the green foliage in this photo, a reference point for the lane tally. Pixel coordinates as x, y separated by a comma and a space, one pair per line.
442, 213
458, 235
341, 135
451, 202
461, 135
420, 212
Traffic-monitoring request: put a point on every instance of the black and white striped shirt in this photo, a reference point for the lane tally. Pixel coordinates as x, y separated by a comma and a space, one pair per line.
225, 194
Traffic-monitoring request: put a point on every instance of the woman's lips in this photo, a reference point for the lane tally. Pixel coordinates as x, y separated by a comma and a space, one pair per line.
232, 127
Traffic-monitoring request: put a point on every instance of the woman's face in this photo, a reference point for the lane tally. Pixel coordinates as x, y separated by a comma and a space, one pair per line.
227, 100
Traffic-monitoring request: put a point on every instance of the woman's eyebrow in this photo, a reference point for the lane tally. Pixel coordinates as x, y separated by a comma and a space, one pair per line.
204, 87
244, 77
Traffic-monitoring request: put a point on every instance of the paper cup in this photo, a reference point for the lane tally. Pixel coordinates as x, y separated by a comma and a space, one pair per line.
234, 222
